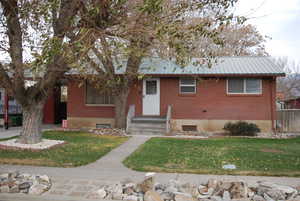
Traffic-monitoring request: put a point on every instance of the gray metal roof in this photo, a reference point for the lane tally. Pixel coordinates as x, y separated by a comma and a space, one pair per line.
223, 66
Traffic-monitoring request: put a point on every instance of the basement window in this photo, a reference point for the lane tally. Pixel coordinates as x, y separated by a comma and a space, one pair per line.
244, 86
189, 127
103, 126
187, 85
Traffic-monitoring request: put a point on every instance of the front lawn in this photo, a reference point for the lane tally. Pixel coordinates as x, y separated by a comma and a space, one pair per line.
277, 157
81, 148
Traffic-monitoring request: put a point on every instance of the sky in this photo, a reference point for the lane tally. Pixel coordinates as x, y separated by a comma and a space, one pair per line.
278, 19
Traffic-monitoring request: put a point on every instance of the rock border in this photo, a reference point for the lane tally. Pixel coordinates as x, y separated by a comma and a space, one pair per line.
16, 148
14, 182
213, 190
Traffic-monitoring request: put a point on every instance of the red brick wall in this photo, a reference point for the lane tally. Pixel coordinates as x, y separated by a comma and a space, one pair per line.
210, 102
76, 104
49, 110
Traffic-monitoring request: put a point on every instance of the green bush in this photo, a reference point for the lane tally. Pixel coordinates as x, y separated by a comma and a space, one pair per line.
241, 128
16, 120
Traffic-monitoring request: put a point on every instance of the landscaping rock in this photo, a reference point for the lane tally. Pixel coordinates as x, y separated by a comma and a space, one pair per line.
4, 176
183, 197
109, 131
25, 185
147, 184
213, 190
4, 189
117, 192
37, 189
282, 188
216, 198
258, 198
158, 186
14, 182
297, 198
212, 183
14, 189
152, 196
276, 195
203, 189
101, 193
167, 196
171, 189
226, 196
130, 198
238, 190
268, 198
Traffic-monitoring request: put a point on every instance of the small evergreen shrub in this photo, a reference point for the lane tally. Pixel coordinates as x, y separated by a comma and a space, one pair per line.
241, 128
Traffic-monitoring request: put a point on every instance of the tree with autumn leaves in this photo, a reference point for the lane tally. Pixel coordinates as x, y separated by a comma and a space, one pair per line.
177, 30
42, 40
35, 40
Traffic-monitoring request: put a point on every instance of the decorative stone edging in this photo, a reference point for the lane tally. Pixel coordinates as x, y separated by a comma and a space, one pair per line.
12, 144
109, 131
213, 190
15, 182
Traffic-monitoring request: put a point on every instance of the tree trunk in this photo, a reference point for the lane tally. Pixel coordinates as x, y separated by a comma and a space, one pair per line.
120, 108
32, 122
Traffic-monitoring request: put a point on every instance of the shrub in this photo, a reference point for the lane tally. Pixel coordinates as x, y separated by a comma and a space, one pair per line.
241, 128
16, 120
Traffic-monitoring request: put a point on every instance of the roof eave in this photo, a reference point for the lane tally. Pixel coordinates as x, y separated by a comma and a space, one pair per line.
219, 75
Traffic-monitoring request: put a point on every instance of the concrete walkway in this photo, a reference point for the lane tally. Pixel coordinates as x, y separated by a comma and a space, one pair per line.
11, 132
81, 182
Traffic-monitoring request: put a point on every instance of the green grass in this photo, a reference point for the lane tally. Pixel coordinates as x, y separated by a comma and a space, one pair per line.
81, 148
276, 157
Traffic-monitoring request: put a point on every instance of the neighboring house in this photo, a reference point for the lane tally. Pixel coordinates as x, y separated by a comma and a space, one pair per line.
14, 107
292, 103
201, 98
54, 109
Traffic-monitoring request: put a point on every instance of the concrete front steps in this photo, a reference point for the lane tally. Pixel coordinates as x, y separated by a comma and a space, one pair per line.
147, 126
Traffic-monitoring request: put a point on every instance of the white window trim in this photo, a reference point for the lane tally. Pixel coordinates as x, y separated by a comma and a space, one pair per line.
187, 85
103, 105
244, 80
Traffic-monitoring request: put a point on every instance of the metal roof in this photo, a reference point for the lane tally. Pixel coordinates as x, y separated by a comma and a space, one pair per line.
244, 65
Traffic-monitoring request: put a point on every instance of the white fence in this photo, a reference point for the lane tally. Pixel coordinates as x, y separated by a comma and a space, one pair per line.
288, 120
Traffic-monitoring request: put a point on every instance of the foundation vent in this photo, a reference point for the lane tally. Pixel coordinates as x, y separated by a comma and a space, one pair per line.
189, 127
103, 126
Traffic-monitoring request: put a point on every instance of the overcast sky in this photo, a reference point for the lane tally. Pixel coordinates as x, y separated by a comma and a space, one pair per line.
279, 19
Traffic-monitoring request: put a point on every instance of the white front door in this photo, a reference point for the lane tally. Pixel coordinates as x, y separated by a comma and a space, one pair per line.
151, 96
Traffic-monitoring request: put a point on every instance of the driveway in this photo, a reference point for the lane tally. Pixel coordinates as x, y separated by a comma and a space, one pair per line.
79, 182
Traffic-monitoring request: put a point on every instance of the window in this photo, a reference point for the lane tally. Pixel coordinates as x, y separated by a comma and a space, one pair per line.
244, 86
151, 87
187, 85
63, 94
94, 97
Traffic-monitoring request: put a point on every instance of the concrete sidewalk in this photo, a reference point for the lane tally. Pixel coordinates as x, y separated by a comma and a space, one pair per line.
11, 132
81, 182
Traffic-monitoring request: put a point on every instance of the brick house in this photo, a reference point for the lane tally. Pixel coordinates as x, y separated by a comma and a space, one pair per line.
191, 98
292, 103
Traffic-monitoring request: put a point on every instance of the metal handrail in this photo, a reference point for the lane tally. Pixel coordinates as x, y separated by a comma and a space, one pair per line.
169, 116
130, 115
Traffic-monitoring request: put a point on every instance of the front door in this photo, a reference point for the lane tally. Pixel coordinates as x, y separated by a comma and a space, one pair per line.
151, 96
